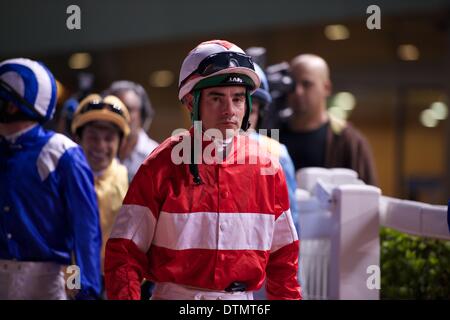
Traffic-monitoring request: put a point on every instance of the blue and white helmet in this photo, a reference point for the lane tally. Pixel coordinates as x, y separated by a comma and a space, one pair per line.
262, 93
33, 87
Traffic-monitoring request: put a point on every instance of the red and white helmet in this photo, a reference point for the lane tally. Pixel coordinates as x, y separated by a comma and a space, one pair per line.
213, 58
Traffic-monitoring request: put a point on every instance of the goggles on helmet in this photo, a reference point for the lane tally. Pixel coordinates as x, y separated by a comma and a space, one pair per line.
220, 61
98, 105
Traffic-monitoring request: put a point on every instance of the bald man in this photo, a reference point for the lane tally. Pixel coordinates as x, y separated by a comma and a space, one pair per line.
313, 137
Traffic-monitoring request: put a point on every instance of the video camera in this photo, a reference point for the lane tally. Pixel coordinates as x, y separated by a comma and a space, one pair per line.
281, 83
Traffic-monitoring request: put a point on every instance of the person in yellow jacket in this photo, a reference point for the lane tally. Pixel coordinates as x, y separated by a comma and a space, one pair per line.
100, 124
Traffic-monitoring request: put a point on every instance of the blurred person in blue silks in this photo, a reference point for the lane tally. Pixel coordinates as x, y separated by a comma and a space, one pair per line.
260, 102
48, 205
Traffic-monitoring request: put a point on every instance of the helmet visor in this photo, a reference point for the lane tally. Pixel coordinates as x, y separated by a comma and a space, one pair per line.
98, 105
220, 61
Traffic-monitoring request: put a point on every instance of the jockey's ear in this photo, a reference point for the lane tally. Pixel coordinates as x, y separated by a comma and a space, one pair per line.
188, 101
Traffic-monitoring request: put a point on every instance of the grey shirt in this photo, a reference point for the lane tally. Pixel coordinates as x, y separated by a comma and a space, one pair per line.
144, 146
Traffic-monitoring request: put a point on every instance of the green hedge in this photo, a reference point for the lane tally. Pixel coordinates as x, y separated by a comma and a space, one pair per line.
414, 267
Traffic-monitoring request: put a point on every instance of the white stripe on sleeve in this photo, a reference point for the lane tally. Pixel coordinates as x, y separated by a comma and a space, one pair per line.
284, 232
136, 223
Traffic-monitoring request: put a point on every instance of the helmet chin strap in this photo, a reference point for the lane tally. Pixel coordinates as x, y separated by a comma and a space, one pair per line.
193, 167
8, 117
248, 99
195, 115
13, 96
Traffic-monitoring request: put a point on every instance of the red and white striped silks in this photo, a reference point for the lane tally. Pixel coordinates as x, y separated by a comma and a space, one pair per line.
236, 226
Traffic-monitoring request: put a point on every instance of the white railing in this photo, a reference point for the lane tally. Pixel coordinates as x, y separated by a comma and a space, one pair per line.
339, 222
415, 218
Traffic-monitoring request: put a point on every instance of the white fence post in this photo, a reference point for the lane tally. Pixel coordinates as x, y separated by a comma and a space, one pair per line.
355, 243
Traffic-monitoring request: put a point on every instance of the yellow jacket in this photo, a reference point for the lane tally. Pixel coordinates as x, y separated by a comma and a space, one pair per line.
111, 187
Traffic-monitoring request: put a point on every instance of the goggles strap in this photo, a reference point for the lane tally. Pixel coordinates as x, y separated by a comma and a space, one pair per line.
12, 95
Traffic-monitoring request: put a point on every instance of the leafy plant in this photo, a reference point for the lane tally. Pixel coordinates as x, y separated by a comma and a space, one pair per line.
414, 267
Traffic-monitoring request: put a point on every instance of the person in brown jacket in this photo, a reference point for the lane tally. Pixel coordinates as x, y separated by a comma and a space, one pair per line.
313, 137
